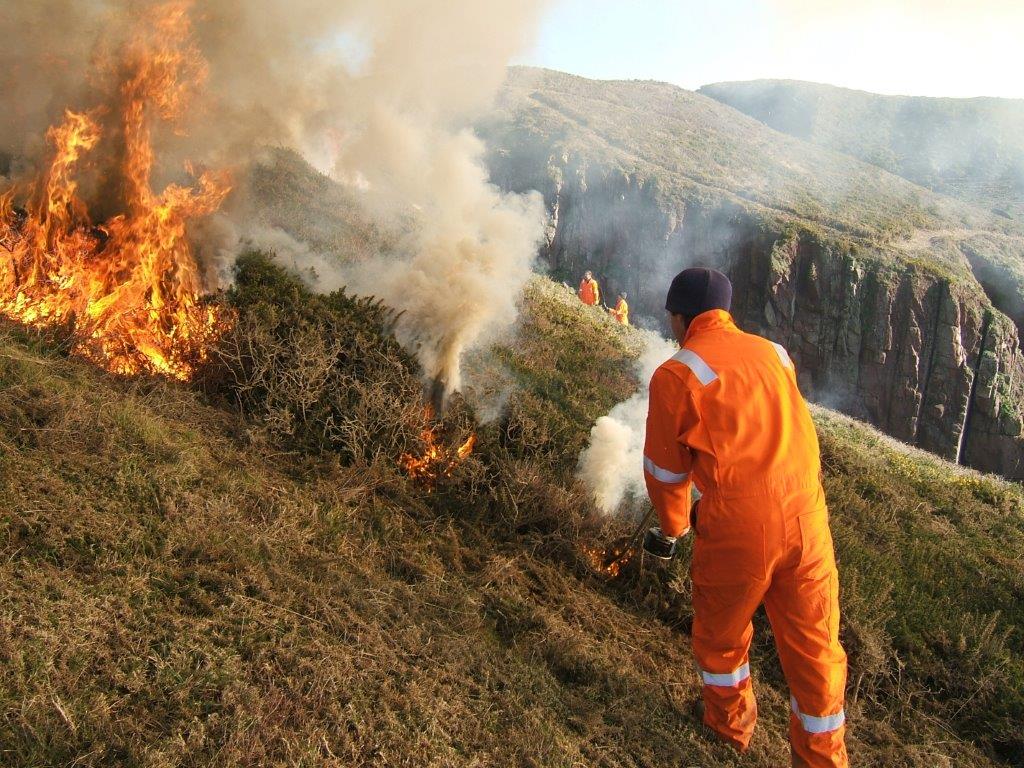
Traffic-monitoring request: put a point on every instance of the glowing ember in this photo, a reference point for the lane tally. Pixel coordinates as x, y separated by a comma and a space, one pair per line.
437, 460
129, 287
609, 561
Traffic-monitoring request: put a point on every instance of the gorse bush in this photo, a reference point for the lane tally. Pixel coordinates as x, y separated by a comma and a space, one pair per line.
320, 373
324, 374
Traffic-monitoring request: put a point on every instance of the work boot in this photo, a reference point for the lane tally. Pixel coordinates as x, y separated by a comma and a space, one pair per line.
697, 710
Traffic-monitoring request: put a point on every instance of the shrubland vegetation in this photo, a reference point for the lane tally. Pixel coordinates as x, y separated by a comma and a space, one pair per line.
241, 573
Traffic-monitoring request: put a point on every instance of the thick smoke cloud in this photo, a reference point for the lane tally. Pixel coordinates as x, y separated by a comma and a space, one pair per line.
611, 466
379, 93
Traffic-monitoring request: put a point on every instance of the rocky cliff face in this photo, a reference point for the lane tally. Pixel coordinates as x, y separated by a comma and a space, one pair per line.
920, 353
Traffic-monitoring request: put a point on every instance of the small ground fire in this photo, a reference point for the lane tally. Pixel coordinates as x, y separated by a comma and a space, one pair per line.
608, 562
436, 461
129, 287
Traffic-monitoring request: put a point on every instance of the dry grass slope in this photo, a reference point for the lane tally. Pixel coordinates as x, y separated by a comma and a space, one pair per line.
185, 584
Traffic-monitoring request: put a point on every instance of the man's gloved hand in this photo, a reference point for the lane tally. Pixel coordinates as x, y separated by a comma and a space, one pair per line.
658, 545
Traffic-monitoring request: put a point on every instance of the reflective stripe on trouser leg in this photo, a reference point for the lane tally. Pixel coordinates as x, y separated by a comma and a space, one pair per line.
730, 710
818, 741
816, 724
727, 680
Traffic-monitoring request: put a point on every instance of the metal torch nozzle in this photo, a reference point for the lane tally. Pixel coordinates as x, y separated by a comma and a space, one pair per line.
437, 396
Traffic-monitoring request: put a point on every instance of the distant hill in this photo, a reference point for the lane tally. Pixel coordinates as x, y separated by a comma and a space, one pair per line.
971, 149
696, 148
898, 302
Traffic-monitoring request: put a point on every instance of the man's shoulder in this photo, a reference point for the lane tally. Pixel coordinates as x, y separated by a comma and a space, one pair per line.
741, 349
685, 368
670, 369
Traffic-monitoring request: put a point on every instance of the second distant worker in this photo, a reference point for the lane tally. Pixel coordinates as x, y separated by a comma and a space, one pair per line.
589, 292
621, 311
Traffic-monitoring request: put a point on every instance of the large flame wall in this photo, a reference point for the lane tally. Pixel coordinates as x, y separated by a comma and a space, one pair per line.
129, 285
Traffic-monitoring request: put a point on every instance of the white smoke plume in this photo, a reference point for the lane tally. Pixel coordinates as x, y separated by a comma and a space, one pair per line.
472, 250
611, 466
379, 92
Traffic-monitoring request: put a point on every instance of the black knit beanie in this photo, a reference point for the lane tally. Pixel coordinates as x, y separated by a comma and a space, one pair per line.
694, 291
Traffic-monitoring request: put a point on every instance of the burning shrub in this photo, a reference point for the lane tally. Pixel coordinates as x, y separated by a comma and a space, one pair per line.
129, 286
322, 373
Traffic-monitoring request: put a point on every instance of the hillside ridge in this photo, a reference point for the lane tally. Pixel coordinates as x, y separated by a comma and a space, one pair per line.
969, 149
894, 300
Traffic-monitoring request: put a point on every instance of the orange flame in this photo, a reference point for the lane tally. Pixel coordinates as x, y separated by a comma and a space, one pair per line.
437, 460
130, 287
608, 561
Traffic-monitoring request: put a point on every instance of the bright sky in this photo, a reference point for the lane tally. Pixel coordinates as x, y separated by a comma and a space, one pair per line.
914, 47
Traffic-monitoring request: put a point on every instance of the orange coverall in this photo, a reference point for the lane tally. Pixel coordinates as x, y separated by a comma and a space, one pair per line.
621, 312
589, 292
726, 414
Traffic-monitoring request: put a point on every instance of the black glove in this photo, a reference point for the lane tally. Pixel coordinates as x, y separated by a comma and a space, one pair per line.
658, 545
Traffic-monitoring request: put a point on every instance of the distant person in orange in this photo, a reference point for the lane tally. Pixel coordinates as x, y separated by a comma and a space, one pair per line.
590, 292
621, 311
726, 415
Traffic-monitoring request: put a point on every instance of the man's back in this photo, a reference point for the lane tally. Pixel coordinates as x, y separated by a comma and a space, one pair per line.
753, 435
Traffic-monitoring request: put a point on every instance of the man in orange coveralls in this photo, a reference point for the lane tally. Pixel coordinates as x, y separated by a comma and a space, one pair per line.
589, 292
621, 311
726, 414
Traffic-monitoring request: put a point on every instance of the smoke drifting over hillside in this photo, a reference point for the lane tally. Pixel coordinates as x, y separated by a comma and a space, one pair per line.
611, 466
378, 93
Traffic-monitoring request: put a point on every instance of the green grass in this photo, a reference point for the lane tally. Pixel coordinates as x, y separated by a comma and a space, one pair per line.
182, 585
936, 553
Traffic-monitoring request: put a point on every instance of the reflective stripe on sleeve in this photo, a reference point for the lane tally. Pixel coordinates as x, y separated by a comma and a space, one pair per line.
787, 361
813, 724
697, 365
664, 475
730, 679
